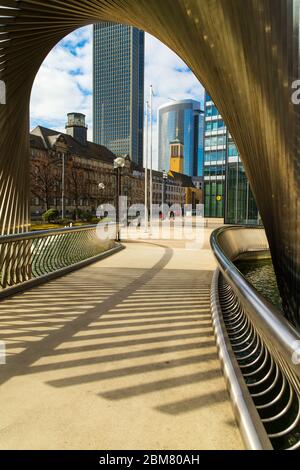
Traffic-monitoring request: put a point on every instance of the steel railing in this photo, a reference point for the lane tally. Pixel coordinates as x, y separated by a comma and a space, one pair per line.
257, 346
34, 255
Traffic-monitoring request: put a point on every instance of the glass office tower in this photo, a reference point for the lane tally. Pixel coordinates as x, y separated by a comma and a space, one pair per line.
227, 193
181, 121
215, 134
118, 76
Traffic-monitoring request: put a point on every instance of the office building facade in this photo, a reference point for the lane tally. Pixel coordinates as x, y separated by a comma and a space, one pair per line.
227, 193
118, 80
181, 122
240, 206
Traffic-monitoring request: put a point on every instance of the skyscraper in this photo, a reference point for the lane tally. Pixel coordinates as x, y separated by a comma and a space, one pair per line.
118, 77
182, 122
227, 193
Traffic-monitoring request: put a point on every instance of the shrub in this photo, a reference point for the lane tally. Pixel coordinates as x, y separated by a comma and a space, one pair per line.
79, 214
88, 217
85, 216
50, 215
94, 220
64, 221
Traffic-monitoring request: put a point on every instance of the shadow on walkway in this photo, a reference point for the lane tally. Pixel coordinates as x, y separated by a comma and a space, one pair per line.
118, 323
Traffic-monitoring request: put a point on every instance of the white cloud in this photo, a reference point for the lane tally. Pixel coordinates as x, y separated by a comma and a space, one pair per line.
169, 75
64, 82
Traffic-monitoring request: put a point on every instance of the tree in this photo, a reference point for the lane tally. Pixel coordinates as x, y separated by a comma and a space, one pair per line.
77, 186
44, 181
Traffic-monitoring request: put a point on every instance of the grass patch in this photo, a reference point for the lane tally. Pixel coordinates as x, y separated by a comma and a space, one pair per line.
44, 226
51, 226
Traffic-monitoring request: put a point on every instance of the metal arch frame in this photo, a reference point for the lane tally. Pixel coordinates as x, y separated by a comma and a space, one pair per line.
256, 345
245, 53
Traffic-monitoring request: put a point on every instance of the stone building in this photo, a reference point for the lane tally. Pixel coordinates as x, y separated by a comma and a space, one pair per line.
86, 172
70, 160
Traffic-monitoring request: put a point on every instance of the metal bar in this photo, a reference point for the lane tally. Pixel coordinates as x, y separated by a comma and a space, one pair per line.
43, 233
264, 315
260, 344
252, 430
36, 281
36, 254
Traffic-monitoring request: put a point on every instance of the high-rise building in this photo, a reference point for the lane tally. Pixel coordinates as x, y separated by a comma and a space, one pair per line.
181, 122
227, 193
118, 77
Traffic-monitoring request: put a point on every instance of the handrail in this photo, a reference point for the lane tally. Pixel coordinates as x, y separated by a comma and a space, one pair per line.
258, 348
42, 233
264, 315
29, 256
251, 427
46, 233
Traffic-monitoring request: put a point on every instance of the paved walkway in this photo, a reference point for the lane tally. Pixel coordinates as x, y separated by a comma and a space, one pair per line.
118, 355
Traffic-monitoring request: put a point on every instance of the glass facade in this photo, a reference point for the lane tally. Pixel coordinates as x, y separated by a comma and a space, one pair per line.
227, 193
240, 206
214, 160
119, 89
181, 121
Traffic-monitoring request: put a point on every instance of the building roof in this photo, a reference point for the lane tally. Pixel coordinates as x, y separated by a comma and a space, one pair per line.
36, 142
43, 138
176, 141
186, 180
189, 103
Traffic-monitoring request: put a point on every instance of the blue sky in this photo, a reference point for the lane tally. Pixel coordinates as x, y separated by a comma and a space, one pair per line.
64, 82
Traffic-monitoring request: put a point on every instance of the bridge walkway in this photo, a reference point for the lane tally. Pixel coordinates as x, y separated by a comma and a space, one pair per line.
118, 355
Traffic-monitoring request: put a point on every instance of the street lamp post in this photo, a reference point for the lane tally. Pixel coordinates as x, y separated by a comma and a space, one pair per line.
165, 177
63, 187
101, 187
119, 163
151, 156
146, 168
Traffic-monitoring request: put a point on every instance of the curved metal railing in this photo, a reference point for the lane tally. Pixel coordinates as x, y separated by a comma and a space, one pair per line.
35, 255
262, 345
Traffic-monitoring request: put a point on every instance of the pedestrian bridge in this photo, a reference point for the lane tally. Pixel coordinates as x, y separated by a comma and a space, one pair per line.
117, 355
98, 334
